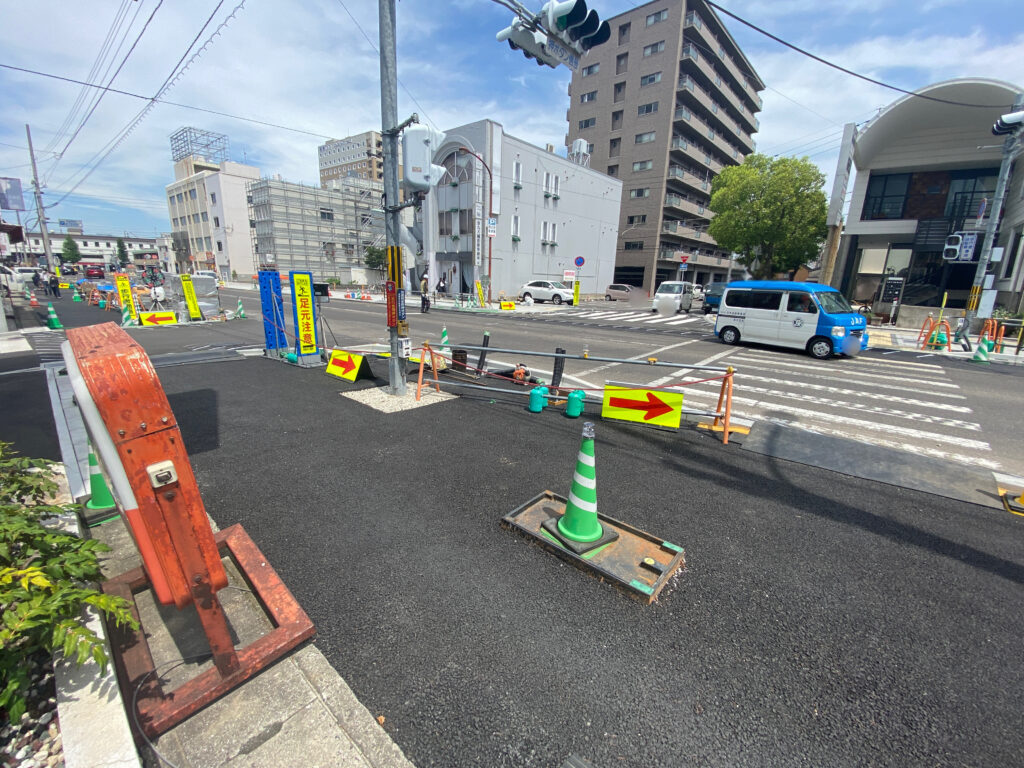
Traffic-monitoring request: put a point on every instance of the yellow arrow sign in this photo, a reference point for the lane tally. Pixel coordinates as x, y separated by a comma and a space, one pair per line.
508, 305
158, 318
647, 406
344, 364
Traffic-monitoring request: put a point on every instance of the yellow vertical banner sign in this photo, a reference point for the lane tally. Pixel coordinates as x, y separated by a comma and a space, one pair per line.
480, 294
576, 293
305, 319
194, 313
124, 294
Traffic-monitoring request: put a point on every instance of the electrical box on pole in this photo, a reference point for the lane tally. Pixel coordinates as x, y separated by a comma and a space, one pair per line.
419, 145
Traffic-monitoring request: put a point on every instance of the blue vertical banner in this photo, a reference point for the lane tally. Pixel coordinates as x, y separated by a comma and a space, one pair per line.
273, 310
307, 339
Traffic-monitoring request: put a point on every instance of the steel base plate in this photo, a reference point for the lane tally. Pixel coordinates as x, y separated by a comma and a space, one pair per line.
637, 563
1013, 506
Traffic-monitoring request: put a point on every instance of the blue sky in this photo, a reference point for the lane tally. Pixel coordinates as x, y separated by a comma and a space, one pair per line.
309, 66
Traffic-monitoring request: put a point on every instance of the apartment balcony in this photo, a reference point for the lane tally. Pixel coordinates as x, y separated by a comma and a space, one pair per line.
693, 22
685, 115
692, 207
711, 101
679, 175
707, 102
694, 151
684, 231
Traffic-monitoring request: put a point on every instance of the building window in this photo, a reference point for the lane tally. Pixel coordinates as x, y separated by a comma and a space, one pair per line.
327, 214
613, 170
640, 192
615, 145
203, 215
653, 48
554, 184
654, 18
209, 245
181, 198
623, 33
621, 63
634, 245
517, 172
644, 138
650, 79
638, 219
590, 149
589, 96
195, 220
108, 244
886, 196
216, 221
590, 122
213, 198
220, 246
515, 225
547, 182
618, 92
591, 70
647, 109
543, 232
642, 165
617, 121
192, 194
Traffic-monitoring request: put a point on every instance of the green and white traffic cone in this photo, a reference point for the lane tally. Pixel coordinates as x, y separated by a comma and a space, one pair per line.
100, 498
981, 353
240, 311
580, 523
78, 294
52, 321
444, 341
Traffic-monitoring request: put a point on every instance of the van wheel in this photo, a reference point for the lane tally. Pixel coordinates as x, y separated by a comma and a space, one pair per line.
820, 348
729, 335
556, 299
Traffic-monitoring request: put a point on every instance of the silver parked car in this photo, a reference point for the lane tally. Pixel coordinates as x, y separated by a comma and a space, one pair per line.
620, 292
673, 295
546, 290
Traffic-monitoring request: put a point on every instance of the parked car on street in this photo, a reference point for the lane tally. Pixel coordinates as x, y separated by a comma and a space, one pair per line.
94, 271
674, 293
713, 297
546, 290
620, 292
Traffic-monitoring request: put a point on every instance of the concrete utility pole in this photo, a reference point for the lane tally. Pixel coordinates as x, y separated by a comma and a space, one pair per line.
1009, 149
389, 135
39, 203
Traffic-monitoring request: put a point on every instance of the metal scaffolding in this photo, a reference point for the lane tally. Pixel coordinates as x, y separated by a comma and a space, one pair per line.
208, 145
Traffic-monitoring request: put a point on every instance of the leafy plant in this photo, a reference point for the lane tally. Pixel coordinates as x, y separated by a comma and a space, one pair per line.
45, 577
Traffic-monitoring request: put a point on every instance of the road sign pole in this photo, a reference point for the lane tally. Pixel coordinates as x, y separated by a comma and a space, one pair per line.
389, 135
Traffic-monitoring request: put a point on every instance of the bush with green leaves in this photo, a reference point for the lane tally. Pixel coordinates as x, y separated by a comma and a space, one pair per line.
46, 579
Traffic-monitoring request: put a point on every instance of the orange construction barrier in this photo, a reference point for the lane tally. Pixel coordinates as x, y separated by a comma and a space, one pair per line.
724, 395
180, 554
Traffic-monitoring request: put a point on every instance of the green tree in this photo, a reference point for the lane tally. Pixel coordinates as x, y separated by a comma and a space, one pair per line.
69, 251
375, 257
122, 253
771, 212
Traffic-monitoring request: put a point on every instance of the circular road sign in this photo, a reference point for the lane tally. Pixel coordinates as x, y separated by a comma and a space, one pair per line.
579, 261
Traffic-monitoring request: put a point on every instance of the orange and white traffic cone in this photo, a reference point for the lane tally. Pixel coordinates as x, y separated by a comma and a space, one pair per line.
32, 302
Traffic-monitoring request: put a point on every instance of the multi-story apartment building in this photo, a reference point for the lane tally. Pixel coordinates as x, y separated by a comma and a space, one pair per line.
356, 156
92, 248
325, 231
210, 215
664, 106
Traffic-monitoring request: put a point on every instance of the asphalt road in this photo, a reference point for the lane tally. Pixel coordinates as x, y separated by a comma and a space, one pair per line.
821, 620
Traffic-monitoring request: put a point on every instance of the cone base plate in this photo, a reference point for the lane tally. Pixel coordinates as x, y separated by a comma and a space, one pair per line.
635, 562
1013, 506
608, 535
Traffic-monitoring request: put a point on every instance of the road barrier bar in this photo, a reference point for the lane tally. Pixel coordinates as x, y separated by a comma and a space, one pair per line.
591, 358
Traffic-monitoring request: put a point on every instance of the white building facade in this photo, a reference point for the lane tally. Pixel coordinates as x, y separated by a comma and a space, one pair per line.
550, 215
92, 248
208, 210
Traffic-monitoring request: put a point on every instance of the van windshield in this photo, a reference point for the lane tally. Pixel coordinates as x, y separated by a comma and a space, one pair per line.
833, 302
670, 288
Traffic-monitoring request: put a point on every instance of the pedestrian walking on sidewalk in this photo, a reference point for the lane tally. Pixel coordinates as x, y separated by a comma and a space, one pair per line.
424, 294
442, 286
55, 286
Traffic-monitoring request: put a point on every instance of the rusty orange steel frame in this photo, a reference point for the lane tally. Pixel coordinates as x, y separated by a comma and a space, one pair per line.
181, 556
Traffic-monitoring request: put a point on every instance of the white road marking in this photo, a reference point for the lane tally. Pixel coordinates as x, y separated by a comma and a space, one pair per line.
661, 320
844, 373
683, 371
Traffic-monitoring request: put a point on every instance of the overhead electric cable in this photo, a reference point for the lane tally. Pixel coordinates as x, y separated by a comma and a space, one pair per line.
850, 72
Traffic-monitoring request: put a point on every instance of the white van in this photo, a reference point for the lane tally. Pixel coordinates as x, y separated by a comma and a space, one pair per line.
809, 316
673, 293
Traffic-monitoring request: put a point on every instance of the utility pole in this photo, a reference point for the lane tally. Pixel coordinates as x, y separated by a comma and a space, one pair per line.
39, 203
389, 135
1009, 149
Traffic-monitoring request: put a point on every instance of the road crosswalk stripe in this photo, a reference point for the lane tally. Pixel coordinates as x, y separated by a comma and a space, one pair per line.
845, 373
803, 397
662, 319
684, 321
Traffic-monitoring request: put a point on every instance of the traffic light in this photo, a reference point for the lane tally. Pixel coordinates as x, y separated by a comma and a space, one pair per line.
419, 145
1008, 123
952, 250
533, 44
570, 21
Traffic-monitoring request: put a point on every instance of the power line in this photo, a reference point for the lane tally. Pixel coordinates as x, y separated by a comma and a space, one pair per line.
850, 72
158, 101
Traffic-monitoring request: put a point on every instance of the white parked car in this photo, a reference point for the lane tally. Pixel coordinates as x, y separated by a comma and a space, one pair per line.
674, 295
546, 290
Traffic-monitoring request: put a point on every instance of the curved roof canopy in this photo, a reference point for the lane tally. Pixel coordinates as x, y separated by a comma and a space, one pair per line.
911, 114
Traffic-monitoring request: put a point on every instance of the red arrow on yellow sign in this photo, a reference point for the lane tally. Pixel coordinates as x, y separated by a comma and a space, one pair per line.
158, 318
658, 407
344, 365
